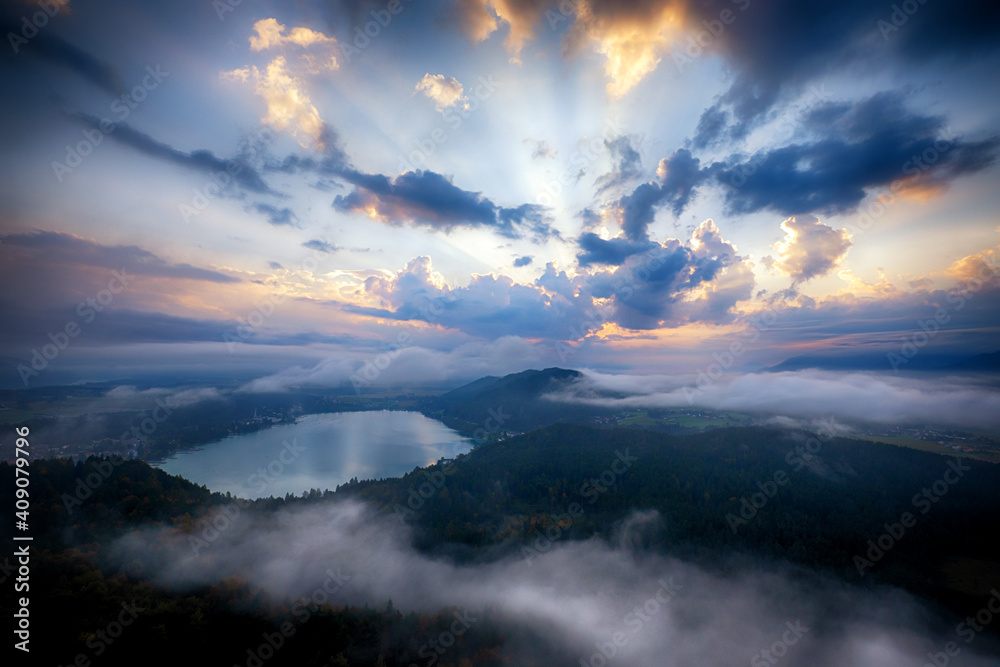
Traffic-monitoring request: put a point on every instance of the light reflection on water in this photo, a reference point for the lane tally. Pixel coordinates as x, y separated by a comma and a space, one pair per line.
318, 451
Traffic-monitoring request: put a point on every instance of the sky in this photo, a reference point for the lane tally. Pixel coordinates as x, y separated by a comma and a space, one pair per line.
286, 194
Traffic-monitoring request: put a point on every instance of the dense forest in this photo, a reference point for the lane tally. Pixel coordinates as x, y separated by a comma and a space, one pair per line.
722, 499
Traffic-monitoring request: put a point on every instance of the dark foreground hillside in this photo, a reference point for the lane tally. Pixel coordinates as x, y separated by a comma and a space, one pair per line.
730, 500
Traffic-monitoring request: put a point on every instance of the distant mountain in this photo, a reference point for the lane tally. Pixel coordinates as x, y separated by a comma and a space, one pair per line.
879, 361
510, 403
989, 362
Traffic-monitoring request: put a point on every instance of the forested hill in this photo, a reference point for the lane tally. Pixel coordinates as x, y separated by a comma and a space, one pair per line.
723, 499
819, 500
510, 403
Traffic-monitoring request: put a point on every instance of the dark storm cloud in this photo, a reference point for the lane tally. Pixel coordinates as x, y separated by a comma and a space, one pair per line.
859, 147
432, 200
650, 289
777, 47
608, 251
199, 160
865, 146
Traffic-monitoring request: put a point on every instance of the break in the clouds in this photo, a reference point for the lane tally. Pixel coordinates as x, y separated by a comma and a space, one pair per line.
560, 607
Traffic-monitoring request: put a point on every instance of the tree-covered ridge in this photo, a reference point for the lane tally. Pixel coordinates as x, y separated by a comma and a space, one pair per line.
825, 506
821, 500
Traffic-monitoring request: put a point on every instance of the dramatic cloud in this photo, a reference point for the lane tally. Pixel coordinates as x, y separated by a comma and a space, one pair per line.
657, 285
679, 176
566, 603
777, 48
874, 143
523, 261
411, 365
861, 147
670, 284
445, 91
626, 164
288, 103
200, 160
282, 88
432, 200
481, 18
271, 34
632, 37
597, 250
490, 306
851, 397
810, 248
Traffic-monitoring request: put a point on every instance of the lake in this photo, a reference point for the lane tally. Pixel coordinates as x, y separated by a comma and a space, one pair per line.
318, 452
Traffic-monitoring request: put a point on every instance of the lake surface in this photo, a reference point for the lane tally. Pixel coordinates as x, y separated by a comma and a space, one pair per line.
318, 452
